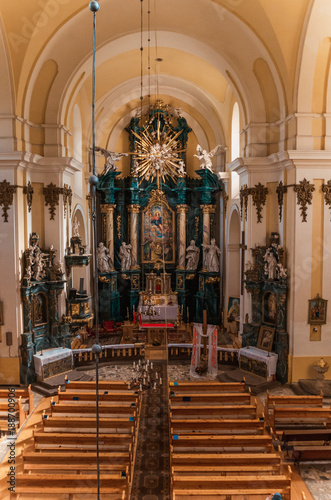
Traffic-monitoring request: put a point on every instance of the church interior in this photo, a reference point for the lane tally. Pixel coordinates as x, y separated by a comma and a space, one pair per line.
165, 202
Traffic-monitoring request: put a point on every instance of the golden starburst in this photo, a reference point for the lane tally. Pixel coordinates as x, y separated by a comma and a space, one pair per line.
157, 153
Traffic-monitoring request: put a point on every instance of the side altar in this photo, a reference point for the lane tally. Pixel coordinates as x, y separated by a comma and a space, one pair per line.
157, 227
266, 281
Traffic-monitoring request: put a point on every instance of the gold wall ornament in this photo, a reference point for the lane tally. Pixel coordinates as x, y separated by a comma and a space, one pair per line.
281, 189
86, 308
119, 226
89, 203
259, 198
190, 276
326, 189
304, 191
125, 276
182, 209
212, 279
134, 209
103, 279
28, 190
225, 200
180, 282
208, 209
6, 197
135, 282
52, 197
74, 309
243, 196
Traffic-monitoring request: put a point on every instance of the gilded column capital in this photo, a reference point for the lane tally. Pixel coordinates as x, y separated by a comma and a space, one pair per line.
108, 208
182, 209
134, 209
208, 209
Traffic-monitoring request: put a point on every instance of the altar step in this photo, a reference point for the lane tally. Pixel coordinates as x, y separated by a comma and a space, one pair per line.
153, 352
49, 387
257, 384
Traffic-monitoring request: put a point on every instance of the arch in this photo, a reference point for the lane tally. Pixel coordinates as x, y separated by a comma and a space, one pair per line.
7, 142
81, 272
78, 213
77, 135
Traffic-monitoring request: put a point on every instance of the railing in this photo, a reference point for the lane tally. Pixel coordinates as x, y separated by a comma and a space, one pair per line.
226, 356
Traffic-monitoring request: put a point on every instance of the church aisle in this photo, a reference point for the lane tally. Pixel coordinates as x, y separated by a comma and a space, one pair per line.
151, 479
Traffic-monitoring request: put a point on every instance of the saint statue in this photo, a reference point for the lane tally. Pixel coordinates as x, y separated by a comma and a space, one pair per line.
211, 261
125, 256
75, 227
192, 255
270, 264
104, 260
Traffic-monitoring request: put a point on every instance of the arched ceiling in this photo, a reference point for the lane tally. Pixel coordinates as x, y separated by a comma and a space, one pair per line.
213, 53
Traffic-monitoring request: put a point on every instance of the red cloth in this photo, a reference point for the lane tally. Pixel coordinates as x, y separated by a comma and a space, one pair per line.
155, 325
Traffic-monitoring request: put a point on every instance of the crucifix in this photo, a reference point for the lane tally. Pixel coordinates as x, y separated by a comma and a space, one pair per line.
243, 247
204, 331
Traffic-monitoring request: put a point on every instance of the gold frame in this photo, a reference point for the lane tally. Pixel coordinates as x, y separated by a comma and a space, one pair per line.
323, 304
158, 197
266, 329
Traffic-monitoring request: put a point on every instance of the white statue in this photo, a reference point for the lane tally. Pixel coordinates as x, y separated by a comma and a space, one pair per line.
249, 266
104, 260
75, 227
211, 259
125, 256
270, 264
111, 157
59, 268
181, 169
192, 255
39, 264
204, 156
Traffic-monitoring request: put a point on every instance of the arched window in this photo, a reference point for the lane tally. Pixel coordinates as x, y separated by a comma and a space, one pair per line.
235, 148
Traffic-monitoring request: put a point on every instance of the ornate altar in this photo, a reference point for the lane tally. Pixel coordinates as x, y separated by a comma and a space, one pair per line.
147, 221
266, 280
42, 283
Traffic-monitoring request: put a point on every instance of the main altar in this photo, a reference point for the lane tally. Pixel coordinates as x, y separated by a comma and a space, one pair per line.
157, 229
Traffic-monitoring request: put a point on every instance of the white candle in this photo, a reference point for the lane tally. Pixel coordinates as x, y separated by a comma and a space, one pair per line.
152, 365
154, 385
149, 378
160, 381
139, 362
129, 385
141, 387
144, 381
156, 375
134, 364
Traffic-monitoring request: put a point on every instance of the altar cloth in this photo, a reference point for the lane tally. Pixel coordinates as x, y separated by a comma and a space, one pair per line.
48, 357
269, 358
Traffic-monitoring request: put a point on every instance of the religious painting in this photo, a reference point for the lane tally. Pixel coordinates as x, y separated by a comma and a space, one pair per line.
266, 338
233, 309
317, 311
269, 306
158, 224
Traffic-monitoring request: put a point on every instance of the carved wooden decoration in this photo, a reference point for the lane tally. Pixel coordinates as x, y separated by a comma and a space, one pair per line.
67, 197
304, 192
259, 196
326, 188
244, 191
52, 196
6, 197
28, 190
281, 189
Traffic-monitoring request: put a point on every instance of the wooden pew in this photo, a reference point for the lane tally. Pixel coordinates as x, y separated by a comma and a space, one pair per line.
117, 385
232, 461
105, 424
117, 396
311, 453
20, 392
209, 426
184, 411
299, 417
211, 386
243, 442
291, 400
71, 408
289, 437
202, 487
71, 483
205, 398
51, 441
17, 412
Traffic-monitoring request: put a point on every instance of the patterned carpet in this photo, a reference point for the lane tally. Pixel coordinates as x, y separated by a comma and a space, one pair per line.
151, 479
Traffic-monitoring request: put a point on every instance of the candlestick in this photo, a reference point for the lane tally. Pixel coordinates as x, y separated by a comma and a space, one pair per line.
154, 385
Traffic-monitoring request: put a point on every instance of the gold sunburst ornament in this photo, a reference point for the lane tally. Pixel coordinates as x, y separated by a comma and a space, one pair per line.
158, 152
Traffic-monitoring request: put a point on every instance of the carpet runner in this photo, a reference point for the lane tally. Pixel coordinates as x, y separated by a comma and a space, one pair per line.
151, 479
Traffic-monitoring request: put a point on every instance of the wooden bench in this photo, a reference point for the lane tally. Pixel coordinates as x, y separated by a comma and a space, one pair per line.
306, 435
205, 398
208, 461
208, 426
118, 396
184, 487
212, 386
291, 400
105, 424
49, 441
14, 411
299, 417
118, 385
71, 483
311, 453
22, 392
71, 408
184, 411
204, 443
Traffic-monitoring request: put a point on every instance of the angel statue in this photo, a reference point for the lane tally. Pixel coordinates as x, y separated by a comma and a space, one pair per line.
111, 157
205, 156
